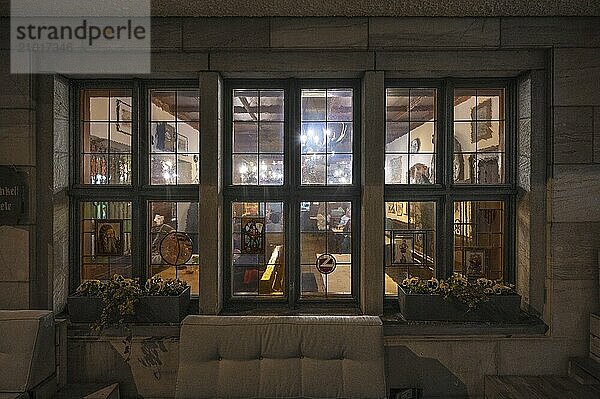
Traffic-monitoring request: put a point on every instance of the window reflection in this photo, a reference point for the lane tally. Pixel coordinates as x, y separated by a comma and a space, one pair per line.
257, 137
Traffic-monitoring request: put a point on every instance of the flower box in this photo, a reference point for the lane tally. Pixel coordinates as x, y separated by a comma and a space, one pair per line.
162, 309
84, 309
148, 309
434, 307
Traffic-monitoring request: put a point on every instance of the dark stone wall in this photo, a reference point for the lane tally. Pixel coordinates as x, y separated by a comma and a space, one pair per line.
361, 8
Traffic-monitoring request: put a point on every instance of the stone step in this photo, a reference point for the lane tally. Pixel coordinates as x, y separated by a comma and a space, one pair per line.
537, 387
89, 391
584, 370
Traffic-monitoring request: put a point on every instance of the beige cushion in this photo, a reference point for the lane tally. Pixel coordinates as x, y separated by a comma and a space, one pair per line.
26, 349
281, 357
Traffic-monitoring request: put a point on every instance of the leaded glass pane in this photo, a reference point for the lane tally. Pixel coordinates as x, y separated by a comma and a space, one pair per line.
325, 231
169, 217
410, 247
257, 249
411, 117
106, 131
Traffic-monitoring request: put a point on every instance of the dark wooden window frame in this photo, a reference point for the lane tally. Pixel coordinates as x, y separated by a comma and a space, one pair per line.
140, 192
291, 193
444, 192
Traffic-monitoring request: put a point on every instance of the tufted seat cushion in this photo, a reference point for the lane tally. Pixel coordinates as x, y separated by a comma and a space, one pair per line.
26, 350
281, 357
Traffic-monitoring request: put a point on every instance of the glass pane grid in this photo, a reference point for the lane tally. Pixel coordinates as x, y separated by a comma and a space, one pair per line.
106, 136
326, 137
479, 239
326, 228
174, 136
257, 137
164, 220
410, 250
479, 136
257, 249
411, 120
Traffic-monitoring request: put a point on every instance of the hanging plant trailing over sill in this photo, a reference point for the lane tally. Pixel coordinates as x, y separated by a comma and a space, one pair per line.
120, 300
457, 299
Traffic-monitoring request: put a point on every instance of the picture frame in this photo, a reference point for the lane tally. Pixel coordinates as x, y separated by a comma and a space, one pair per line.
109, 237
415, 145
475, 262
253, 235
182, 143
403, 248
123, 117
397, 174
481, 125
400, 209
391, 208
164, 137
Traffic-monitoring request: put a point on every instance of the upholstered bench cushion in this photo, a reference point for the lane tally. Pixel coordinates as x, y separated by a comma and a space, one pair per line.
281, 357
26, 349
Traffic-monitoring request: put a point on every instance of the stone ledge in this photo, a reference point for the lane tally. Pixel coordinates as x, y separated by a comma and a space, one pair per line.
83, 331
459, 8
396, 330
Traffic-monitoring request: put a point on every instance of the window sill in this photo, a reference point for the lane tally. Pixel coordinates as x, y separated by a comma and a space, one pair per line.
346, 308
394, 326
83, 331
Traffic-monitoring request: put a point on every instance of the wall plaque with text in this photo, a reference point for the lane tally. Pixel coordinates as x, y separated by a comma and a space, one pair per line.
13, 195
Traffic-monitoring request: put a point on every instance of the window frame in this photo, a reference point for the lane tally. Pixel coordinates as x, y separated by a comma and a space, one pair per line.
292, 192
444, 192
140, 192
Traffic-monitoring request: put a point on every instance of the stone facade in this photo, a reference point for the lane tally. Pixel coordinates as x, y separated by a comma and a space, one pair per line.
557, 61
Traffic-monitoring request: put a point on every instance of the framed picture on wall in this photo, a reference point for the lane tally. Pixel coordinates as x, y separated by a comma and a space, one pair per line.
123, 117
403, 248
182, 143
475, 262
164, 137
400, 211
481, 127
253, 235
391, 208
109, 237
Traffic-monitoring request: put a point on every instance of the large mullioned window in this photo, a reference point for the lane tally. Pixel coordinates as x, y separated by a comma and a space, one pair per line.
136, 164
449, 180
291, 187
291, 181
